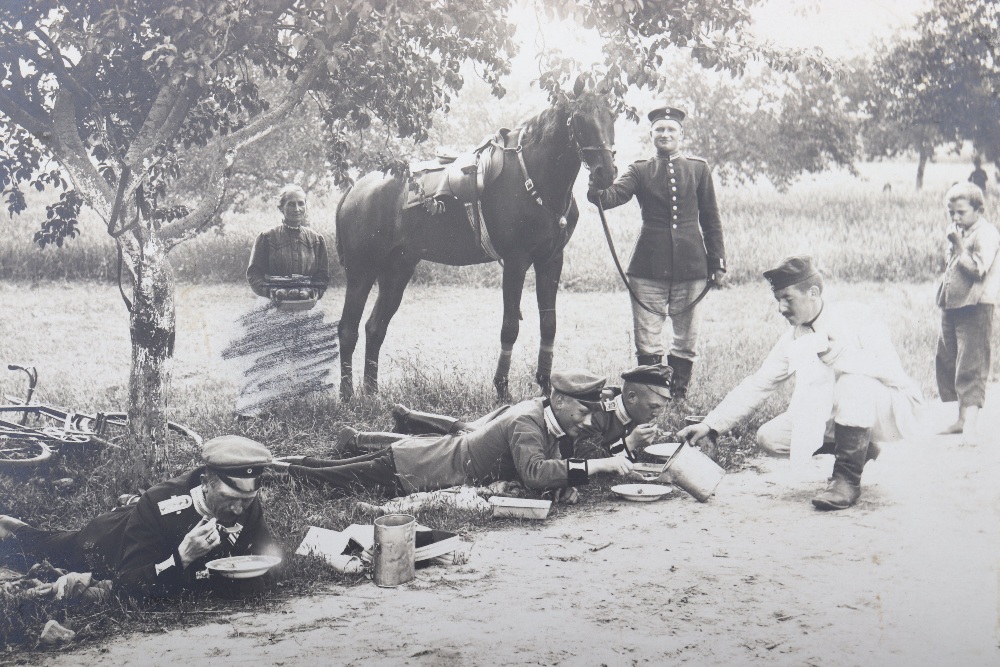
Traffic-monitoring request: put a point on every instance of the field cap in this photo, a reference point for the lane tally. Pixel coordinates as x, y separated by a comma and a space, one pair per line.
791, 271
670, 113
656, 378
238, 461
579, 384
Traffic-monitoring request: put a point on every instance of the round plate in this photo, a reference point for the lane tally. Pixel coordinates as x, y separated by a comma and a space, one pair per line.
663, 450
642, 493
242, 567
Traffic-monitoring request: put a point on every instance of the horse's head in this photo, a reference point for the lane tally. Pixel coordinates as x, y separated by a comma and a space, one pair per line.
592, 127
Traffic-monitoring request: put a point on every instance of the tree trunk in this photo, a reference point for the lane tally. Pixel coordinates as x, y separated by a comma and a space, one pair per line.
925, 154
152, 327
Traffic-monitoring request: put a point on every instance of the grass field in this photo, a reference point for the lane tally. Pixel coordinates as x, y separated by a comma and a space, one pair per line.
63, 316
854, 229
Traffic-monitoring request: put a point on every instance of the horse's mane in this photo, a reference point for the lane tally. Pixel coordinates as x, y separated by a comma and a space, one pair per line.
552, 119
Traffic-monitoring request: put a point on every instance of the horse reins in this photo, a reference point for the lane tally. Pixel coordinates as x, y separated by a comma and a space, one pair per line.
628, 285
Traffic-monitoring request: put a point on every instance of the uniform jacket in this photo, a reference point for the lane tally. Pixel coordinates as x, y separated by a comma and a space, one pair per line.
859, 344
129, 542
517, 445
958, 287
286, 251
681, 237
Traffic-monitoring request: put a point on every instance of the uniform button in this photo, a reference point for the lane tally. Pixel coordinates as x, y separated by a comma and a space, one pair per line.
675, 207
673, 180
673, 188
674, 197
675, 226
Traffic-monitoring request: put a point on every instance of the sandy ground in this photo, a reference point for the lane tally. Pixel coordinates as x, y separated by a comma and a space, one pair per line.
754, 576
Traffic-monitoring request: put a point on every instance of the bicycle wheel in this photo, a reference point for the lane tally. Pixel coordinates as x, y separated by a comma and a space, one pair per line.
23, 452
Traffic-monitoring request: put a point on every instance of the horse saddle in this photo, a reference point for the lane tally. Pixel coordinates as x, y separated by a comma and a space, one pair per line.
462, 177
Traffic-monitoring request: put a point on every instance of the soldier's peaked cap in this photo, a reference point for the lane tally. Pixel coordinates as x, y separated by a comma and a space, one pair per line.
670, 113
655, 377
791, 271
233, 457
579, 384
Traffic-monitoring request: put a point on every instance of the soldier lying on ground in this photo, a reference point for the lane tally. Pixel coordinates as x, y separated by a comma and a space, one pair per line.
525, 443
160, 544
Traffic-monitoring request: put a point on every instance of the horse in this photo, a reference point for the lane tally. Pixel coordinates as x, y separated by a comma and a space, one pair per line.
529, 214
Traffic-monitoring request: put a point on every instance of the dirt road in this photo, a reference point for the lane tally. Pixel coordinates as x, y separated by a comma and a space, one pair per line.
754, 576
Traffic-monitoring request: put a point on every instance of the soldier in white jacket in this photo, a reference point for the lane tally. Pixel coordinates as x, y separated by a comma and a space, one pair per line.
851, 391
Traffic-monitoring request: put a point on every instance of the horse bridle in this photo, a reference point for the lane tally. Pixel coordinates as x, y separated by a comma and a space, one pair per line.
529, 185
581, 151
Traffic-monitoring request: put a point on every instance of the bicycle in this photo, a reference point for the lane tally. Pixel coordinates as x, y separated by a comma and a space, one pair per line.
54, 429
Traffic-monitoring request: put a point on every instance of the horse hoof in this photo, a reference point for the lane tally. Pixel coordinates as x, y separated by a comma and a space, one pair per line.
544, 383
503, 391
346, 391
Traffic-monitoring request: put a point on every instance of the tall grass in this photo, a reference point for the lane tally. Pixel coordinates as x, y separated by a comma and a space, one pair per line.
856, 231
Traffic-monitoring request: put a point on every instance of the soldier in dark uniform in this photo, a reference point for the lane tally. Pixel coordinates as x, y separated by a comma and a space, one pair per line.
160, 544
680, 247
526, 443
624, 424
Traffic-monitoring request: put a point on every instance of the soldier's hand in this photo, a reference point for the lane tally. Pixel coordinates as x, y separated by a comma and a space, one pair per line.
593, 195
642, 436
695, 434
199, 541
615, 465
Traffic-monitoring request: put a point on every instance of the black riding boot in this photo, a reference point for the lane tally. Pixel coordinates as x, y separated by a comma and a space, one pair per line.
681, 377
351, 441
649, 359
851, 447
415, 422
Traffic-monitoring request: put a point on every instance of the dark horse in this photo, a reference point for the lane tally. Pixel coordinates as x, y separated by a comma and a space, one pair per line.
378, 240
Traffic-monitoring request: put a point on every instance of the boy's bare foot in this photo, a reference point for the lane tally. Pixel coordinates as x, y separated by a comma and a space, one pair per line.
957, 427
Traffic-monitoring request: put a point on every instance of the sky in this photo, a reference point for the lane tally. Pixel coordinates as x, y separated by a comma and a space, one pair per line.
841, 28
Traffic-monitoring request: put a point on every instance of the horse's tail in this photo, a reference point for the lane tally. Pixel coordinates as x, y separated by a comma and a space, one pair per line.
337, 226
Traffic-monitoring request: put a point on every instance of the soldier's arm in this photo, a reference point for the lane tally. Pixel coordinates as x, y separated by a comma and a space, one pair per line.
149, 562
710, 221
620, 192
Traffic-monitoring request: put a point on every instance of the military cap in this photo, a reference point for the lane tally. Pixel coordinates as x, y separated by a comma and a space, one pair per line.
233, 457
791, 271
582, 385
656, 378
670, 113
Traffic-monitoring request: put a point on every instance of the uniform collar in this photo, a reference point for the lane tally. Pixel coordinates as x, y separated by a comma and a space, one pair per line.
551, 423
198, 500
621, 412
673, 156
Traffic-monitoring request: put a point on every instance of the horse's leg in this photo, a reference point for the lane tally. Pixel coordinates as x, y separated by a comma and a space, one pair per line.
546, 287
391, 283
513, 286
355, 297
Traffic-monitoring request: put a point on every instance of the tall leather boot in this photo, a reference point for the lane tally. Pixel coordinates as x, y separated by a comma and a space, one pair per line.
351, 441
851, 447
681, 377
649, 359
415, 422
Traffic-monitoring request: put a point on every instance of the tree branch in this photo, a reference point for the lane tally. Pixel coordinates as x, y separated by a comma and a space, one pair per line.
73, 156
36, 121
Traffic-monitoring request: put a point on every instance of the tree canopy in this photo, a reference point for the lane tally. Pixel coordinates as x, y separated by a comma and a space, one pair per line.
940, 84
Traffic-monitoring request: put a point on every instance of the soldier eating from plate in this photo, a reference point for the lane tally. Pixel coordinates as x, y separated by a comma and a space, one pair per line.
159, 545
